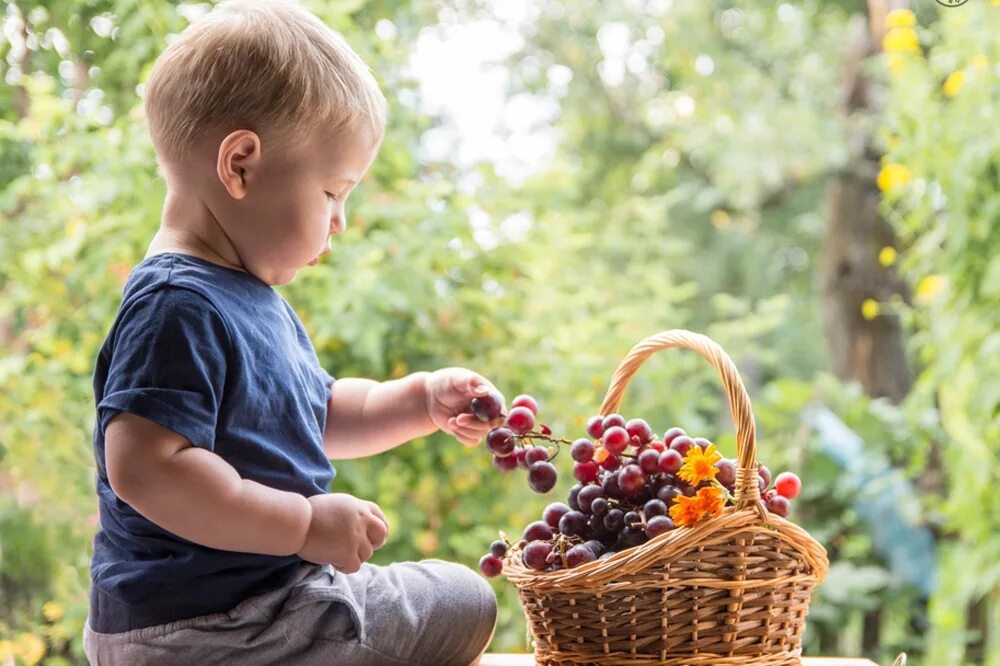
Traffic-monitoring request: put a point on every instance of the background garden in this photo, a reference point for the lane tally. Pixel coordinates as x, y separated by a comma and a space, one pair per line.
814, 184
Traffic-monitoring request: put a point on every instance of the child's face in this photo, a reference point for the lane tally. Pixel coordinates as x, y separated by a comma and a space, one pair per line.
293, 201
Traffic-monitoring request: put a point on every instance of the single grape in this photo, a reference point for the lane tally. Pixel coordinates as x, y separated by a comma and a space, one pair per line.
672, 434
639, 429
520, 420
585, 472
542, 477
653, 508
537, 531
525, 401
535, 554
615, 439
686, 488
599, 506
595, 426
553, 512
587, 496
632, 517
573, 496
631, 480
629, 537
727, 472
596, 546
573, 523
788, 485
487, 407
779, 505
611, 485
667, 493
766, 473
501, 442
657, 446
649, 461
681, 444
597, 528
505, 463
613, 420
606, 555
702, 442
670, 461
535, 454
611, 463
658, 525
761, 483
582, 450
614, 520
519, 454
498, 548
578, 555
490, 565
768, 494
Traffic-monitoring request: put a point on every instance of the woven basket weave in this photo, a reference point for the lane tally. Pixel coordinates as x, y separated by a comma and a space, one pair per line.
734, 589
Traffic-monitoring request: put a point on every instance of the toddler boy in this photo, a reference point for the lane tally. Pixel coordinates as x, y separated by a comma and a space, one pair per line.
219, 543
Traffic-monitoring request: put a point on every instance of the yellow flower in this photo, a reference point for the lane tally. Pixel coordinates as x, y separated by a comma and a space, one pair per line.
893, 176
711, 500
6, 651
869, 309
929, 287
887, 256
686, 511
900, 18
980, 61
699, 465
901, 40
953, 84
52, 610
29, 648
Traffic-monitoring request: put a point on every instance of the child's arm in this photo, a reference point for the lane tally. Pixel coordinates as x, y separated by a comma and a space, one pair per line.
365, 417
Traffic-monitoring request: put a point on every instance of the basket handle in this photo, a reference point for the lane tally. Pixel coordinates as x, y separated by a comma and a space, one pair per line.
747, 490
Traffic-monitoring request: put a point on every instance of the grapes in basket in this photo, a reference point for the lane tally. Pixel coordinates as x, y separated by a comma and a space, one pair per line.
632, 485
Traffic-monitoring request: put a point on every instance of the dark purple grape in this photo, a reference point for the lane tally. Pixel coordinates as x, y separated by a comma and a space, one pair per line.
537, 531
670, 461
599, 506
519, 457
611, 485
541, 476
498, 548
654, 507
629, 537
649, 461
597, 528
595, 426
639, 429
574, 494
727, 472
658, 525
587, 496
596, 546
614, 520
578, 555
553, 512
761, 483
616, 439
582, 450
535, 454
667, 493
585, 472
766, 473
501, 441
632, 517
612, 420
612, 463
490, 565
672, 434
682, 444
573, 523
779, 505
505, 463
487, 407
520, 420
686, 488
535, 554
631, 480
702, 442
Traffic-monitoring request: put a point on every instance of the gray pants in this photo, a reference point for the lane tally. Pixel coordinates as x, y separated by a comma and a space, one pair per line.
430, 613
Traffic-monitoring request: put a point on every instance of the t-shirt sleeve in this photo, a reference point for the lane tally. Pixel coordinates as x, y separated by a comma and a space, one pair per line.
168, 364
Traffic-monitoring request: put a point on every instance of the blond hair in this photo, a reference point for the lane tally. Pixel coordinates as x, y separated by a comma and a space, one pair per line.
265, 65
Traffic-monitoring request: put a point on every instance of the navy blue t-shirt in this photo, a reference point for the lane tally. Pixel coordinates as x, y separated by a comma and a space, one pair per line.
218, 356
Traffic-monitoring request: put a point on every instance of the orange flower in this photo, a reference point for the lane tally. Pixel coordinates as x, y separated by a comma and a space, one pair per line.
711, 500
700, 465
686, 511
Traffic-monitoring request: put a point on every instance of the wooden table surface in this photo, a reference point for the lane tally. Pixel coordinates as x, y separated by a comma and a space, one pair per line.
528, 660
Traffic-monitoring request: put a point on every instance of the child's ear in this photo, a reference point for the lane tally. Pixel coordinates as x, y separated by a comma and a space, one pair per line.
238, 161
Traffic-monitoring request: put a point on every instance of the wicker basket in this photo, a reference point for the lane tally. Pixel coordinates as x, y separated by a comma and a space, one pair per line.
734, 589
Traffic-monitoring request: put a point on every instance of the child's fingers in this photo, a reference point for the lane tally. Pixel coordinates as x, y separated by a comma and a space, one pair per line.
377, 510
468, 436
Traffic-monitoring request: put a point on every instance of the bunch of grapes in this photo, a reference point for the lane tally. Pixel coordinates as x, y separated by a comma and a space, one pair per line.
627, 482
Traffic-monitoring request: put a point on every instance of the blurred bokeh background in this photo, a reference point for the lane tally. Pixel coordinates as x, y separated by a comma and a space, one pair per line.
815, 184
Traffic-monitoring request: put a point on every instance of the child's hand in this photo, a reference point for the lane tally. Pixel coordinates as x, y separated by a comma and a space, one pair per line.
344, 531
449, 392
